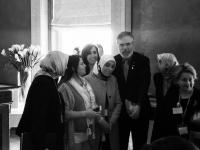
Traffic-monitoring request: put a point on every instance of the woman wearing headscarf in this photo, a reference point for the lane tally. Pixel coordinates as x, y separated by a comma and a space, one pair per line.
79, 101
107, 96
43, 109
166, 64
163, 79
181, 107
90, 55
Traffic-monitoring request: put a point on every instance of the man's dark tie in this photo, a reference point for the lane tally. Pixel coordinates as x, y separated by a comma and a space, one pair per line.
126, 67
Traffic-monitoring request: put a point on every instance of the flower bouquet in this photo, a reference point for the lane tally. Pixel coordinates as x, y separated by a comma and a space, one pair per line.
22, 59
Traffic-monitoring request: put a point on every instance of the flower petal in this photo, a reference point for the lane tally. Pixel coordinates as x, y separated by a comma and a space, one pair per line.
3, 52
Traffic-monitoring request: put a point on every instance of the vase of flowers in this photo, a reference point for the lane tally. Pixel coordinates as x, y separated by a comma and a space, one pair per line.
23, 60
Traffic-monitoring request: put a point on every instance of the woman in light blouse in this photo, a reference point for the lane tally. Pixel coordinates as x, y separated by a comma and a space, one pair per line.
79, 104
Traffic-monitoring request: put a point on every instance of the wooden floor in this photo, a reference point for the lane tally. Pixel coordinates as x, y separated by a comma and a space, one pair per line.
15, 140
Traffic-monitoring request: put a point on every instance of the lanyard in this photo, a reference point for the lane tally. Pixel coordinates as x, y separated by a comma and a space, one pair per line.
183, 114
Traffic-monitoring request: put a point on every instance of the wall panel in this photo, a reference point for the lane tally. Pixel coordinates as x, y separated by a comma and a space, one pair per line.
167, 26
15, 28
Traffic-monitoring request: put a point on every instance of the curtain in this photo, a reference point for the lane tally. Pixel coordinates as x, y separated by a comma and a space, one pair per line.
81, 12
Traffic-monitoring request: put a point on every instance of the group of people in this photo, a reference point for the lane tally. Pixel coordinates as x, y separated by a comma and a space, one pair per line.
178, 106
99, 100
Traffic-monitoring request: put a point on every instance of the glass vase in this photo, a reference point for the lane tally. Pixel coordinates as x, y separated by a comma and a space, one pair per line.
24, 81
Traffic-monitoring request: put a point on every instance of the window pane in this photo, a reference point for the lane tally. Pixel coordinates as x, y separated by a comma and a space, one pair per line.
65, 39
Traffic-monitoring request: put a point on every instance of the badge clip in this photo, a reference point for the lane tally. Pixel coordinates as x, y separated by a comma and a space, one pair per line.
178, 104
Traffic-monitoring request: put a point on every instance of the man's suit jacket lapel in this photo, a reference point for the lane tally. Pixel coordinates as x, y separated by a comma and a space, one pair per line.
120, 69
132, 65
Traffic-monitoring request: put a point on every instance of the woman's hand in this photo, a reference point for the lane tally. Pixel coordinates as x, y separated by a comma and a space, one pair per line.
105, 125
98, 115
90, 113
128, 105
195, 119
135, 111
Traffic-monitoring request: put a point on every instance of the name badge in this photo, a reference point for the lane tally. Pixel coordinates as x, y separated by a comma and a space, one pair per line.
106, 112
182, 129
177, 110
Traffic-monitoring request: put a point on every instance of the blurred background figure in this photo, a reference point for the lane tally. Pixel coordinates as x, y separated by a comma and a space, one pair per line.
171, 143
90, 55
100, 49
76, 51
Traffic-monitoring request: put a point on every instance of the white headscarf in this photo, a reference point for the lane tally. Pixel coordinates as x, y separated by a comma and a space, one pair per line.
168, 59
55, 62
170, 62
104, 59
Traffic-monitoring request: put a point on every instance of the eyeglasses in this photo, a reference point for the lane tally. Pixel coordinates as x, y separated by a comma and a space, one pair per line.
127, 44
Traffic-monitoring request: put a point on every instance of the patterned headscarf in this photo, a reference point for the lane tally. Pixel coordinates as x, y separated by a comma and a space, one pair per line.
55, 62
170, 62
101, 63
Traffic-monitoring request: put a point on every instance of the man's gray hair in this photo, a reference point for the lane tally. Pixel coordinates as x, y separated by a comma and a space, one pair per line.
123, 34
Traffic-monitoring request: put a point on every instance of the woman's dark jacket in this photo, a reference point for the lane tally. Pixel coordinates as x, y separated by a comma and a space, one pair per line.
158, 82
42, 112
166, 122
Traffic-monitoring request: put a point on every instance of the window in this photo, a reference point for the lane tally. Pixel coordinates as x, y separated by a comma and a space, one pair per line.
65, 39
75, 26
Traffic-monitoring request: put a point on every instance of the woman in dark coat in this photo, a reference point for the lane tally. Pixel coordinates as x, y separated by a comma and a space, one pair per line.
181, 105
43, 110
163, 81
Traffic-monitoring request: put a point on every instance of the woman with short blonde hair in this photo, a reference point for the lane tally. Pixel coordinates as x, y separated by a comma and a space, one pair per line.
181, 106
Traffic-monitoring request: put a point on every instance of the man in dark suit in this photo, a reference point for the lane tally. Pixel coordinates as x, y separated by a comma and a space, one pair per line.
133, 75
